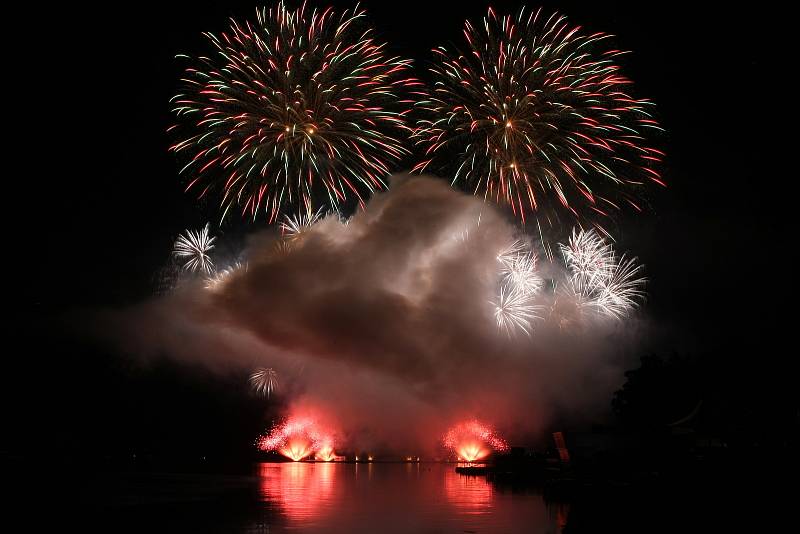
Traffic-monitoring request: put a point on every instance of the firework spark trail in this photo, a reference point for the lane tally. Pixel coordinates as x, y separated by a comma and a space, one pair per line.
264, 381
193, 247
473, 440
535, 114
293, 107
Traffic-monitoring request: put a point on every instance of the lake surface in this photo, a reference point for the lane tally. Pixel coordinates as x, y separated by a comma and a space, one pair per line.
383, 498
389, 498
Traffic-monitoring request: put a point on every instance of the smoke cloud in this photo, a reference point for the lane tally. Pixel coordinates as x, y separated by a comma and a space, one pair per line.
384, 325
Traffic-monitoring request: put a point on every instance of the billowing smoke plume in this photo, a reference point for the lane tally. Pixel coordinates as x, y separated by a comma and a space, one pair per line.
384, 324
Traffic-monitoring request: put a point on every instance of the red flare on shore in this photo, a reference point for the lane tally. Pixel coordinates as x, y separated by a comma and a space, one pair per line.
296, 449
325, 454
298, 438
472, 440
472, 452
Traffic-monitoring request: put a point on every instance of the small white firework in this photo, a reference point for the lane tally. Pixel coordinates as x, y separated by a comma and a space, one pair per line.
588, 258
264, 381
295, 226
598, 280
515, 310
520, 273
193, 247
622, 290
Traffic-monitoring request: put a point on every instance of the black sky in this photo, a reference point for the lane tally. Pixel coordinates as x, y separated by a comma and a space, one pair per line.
97, 201
107, 182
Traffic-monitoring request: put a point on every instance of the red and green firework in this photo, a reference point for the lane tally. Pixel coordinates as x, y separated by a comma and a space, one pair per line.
293, 111
536, 115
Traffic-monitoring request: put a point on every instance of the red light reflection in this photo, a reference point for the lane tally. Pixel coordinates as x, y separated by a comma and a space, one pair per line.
470, 495
303, 491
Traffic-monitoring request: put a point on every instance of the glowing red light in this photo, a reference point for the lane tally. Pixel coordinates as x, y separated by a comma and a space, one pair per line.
325, 453
472, 440
296, 449
472, 452
298, 438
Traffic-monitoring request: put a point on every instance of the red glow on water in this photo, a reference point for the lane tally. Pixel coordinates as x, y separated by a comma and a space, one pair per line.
472, 440
469, 495
302, 491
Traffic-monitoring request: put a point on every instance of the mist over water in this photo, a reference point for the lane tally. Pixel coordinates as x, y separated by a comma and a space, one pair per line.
383, 327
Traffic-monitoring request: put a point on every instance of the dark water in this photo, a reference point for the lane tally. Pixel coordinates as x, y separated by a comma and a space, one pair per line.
390, 498
381, 498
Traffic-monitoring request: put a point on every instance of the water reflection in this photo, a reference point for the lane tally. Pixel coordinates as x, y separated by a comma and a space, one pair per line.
561, 512
302, 491
418, 497
468, 494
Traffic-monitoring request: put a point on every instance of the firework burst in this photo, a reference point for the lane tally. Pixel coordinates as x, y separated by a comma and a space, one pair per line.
193, 247
519, 272
295, 226
588, 258
514, 309
520, 282
264, 381
293, 109
298, 438
536, 115
600, 281
473, 440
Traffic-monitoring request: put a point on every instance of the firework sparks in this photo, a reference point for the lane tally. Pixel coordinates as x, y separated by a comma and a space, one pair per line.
515, 306
598, 280
193, 247
264, 381
588, 258
291, 108
622, 290
295, 226
536, 115
219, 278
520, 273
472, 440
298, 438
515, 310
511, 251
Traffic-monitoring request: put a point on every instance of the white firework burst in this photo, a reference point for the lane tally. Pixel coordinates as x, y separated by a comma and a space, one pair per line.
588, 258
520, 272
515, 310
622, 290
193, 247
264, 381
511, 251
598, 280
295, 226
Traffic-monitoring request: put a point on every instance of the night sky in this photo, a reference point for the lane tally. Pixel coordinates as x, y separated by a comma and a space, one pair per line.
98, 203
